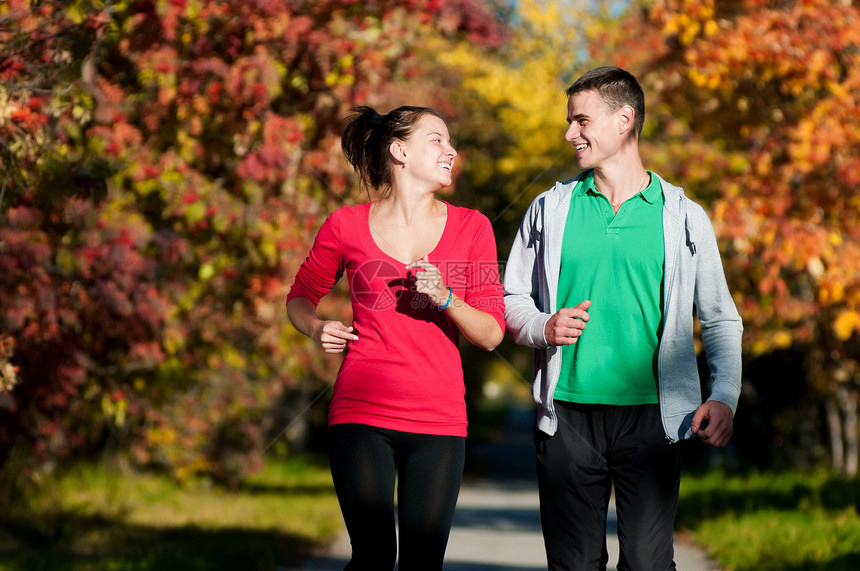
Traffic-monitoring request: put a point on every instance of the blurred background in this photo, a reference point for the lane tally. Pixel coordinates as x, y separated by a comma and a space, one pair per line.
165, 164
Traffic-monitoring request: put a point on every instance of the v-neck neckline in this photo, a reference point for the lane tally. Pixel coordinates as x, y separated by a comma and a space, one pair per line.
434, 252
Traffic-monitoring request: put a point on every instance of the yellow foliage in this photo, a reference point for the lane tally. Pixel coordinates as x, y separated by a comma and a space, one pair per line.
687, 19
698, 78
781, 340
115, 409
525, 87
764, 165
157, 436
834, 239
846, 324
711, 28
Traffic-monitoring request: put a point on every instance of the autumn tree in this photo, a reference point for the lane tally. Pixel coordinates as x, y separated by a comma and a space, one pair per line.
508, 104
757, 111
164, 166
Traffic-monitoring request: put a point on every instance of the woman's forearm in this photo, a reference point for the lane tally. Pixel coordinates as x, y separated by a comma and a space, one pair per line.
479, 327
303, 316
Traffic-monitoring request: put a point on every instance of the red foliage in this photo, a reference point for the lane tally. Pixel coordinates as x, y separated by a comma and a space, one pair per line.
165, 182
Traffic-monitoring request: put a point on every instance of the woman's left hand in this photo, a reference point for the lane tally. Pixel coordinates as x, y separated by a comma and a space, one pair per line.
428, 280
478, 326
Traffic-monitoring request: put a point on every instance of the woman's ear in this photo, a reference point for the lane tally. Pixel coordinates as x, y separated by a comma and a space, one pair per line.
398, 152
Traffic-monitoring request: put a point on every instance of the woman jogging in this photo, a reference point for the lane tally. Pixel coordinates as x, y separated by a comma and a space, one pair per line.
420, 272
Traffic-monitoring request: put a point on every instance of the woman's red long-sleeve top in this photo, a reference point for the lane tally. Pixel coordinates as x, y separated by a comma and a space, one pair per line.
404, 372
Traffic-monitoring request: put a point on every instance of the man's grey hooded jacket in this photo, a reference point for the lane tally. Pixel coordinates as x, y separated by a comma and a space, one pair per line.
693, 278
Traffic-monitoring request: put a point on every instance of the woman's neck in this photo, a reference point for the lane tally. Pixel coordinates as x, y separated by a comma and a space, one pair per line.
405, 209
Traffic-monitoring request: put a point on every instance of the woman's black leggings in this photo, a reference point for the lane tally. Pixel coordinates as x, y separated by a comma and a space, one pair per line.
428, 468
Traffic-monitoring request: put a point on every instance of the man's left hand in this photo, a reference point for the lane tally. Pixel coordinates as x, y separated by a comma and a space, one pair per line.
717, 420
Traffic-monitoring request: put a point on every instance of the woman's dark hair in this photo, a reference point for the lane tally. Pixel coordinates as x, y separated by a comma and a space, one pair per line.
617, 87
367, 136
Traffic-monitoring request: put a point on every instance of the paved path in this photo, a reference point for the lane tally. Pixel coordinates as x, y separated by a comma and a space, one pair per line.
497, 521
497, 528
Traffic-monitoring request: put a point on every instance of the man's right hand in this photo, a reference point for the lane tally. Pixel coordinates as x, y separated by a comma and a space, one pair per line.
567, 324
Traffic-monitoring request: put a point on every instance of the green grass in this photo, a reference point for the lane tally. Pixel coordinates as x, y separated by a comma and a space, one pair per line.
767, 521
96, 517
100, 518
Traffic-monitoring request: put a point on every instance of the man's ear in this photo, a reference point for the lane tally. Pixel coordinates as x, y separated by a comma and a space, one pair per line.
626, 119
398, 151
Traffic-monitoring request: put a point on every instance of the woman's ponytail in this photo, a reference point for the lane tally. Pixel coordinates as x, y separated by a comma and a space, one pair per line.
360, 143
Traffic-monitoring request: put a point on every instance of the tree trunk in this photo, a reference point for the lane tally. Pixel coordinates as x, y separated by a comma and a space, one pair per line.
834, 424
848, 400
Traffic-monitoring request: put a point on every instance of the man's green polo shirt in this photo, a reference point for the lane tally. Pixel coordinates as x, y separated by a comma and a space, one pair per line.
616, 261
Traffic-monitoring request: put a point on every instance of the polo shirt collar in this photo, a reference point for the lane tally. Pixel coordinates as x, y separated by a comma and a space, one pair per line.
650, 193
653, 192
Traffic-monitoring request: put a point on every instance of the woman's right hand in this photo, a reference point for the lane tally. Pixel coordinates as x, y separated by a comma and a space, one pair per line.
334, 336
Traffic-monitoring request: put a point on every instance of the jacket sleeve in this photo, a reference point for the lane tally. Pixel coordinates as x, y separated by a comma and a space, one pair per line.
722, 328
524, 278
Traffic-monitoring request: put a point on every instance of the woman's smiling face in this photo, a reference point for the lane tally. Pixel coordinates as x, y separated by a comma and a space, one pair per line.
429, 153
